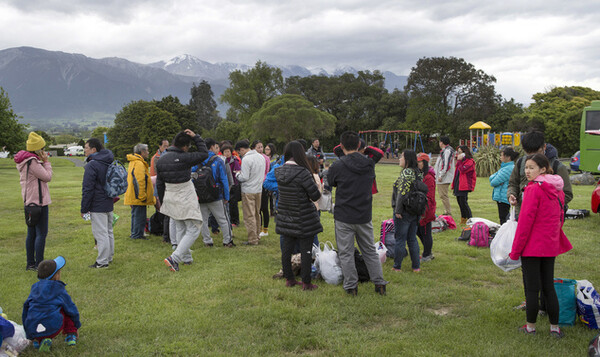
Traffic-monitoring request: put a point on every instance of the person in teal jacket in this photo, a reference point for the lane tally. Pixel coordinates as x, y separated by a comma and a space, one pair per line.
499, 181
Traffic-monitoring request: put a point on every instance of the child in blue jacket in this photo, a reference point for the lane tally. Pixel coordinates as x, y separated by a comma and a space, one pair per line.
499, 181
49, 309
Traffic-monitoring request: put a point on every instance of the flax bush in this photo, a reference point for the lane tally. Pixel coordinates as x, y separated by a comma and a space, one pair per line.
487, 160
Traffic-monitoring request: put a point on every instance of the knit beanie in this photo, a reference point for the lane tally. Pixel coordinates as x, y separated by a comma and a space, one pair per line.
35, 142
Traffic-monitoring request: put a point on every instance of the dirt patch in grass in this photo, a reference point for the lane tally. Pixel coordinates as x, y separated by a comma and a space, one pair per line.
442, 311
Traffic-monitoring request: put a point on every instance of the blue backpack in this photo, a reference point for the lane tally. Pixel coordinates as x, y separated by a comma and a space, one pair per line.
116, 179
270, 182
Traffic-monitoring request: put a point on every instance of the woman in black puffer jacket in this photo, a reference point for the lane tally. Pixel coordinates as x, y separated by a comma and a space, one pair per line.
297, 219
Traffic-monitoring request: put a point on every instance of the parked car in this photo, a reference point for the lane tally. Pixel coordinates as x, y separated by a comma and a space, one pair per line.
575, 162
596, 198
74, 151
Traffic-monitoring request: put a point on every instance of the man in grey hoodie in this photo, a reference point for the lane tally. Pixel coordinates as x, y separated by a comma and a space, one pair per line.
444, 172
251, 176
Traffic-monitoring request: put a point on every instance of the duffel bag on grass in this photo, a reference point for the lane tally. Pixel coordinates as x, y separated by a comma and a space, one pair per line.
565, 291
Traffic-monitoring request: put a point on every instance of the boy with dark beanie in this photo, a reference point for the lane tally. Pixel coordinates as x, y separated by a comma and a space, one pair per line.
49, 309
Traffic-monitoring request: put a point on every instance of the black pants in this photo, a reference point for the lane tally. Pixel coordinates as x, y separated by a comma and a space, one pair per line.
264, 208
234, 198
424, 234
503, 212
166, 236
538, 275
463, 203
305, 257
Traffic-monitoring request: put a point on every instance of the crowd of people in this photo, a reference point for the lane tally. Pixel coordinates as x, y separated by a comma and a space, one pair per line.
196, 191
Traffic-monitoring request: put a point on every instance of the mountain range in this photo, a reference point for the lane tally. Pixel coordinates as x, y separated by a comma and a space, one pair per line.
51, 86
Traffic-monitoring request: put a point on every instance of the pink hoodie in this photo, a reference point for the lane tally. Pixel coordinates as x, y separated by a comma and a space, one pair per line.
539, 231
37, 170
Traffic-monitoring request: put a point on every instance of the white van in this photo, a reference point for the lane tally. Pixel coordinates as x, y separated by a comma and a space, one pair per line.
74, 151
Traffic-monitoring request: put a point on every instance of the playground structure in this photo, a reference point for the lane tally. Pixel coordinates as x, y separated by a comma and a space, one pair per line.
495, 139
384, 139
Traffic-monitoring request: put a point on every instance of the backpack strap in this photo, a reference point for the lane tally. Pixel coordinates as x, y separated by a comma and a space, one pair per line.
39, 184
555, 166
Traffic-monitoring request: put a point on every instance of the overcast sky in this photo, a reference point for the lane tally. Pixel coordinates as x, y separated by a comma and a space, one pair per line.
529, 46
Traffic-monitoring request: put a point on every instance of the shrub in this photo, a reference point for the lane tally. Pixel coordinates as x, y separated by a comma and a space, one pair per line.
487, 160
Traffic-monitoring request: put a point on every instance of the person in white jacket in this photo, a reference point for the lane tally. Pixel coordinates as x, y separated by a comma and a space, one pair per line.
251, 176
444, 172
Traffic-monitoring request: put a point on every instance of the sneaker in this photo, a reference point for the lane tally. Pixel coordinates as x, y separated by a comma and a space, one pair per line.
380, 289
309, 286
71, 339
45, 345
263, 234
208, 244
526, 330
98, 266
35, 344
521, 306
395, 269
557, 334
427, 258
352, 292
229, 245
172, 264
417, 270
31, 267
291, 283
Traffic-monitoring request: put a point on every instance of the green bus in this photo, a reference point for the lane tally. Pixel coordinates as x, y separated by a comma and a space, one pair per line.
589, 138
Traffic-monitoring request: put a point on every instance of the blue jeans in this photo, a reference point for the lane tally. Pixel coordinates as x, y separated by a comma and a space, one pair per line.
406, 232
36, 239
138, 221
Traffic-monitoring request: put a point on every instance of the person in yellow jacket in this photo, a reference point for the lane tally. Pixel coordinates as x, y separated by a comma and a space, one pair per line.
140, 191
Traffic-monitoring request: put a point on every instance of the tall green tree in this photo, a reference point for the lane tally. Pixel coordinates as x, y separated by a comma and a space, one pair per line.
98, 132
249, 90
158, 124
451, 89
204, 105
128, 126
12, 133
557, 112
185, 117
288, 117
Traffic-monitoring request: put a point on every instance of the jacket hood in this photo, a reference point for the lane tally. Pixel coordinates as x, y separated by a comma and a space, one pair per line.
47, 290
551, 152
357, 163
551, 184
287, 172
105, 156
134, 157
22, 157
431, 172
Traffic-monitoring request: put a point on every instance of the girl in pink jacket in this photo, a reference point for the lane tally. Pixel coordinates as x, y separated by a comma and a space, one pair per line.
539, 239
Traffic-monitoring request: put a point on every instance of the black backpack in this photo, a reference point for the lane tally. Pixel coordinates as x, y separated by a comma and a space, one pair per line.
205, 184
415, 201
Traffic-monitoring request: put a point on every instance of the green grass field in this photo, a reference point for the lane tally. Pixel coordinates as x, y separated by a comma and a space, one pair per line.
226, 303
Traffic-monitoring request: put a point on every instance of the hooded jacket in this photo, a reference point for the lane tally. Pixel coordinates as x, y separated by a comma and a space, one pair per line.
445, 165
297, 215
467, 178
499, 181
518, 180
429, 180
41, 311
539, 230
353, 175
93, 196
37, 170
140, 191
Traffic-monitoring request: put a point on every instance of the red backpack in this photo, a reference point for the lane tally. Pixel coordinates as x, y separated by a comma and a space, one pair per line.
480, 235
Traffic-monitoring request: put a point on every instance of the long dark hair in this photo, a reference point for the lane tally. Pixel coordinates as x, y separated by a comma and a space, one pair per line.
295, 151
314, 164
271, 146
465, 149
425, 167
410, 159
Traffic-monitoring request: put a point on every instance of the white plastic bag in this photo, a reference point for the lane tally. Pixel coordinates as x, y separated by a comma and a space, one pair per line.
329, 265
381, 250
15, 344
325, 202
502, 244
491, 225
588, 304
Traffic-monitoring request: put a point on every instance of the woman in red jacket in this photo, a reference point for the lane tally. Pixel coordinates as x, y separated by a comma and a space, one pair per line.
539, 239
424, 229
464, 181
